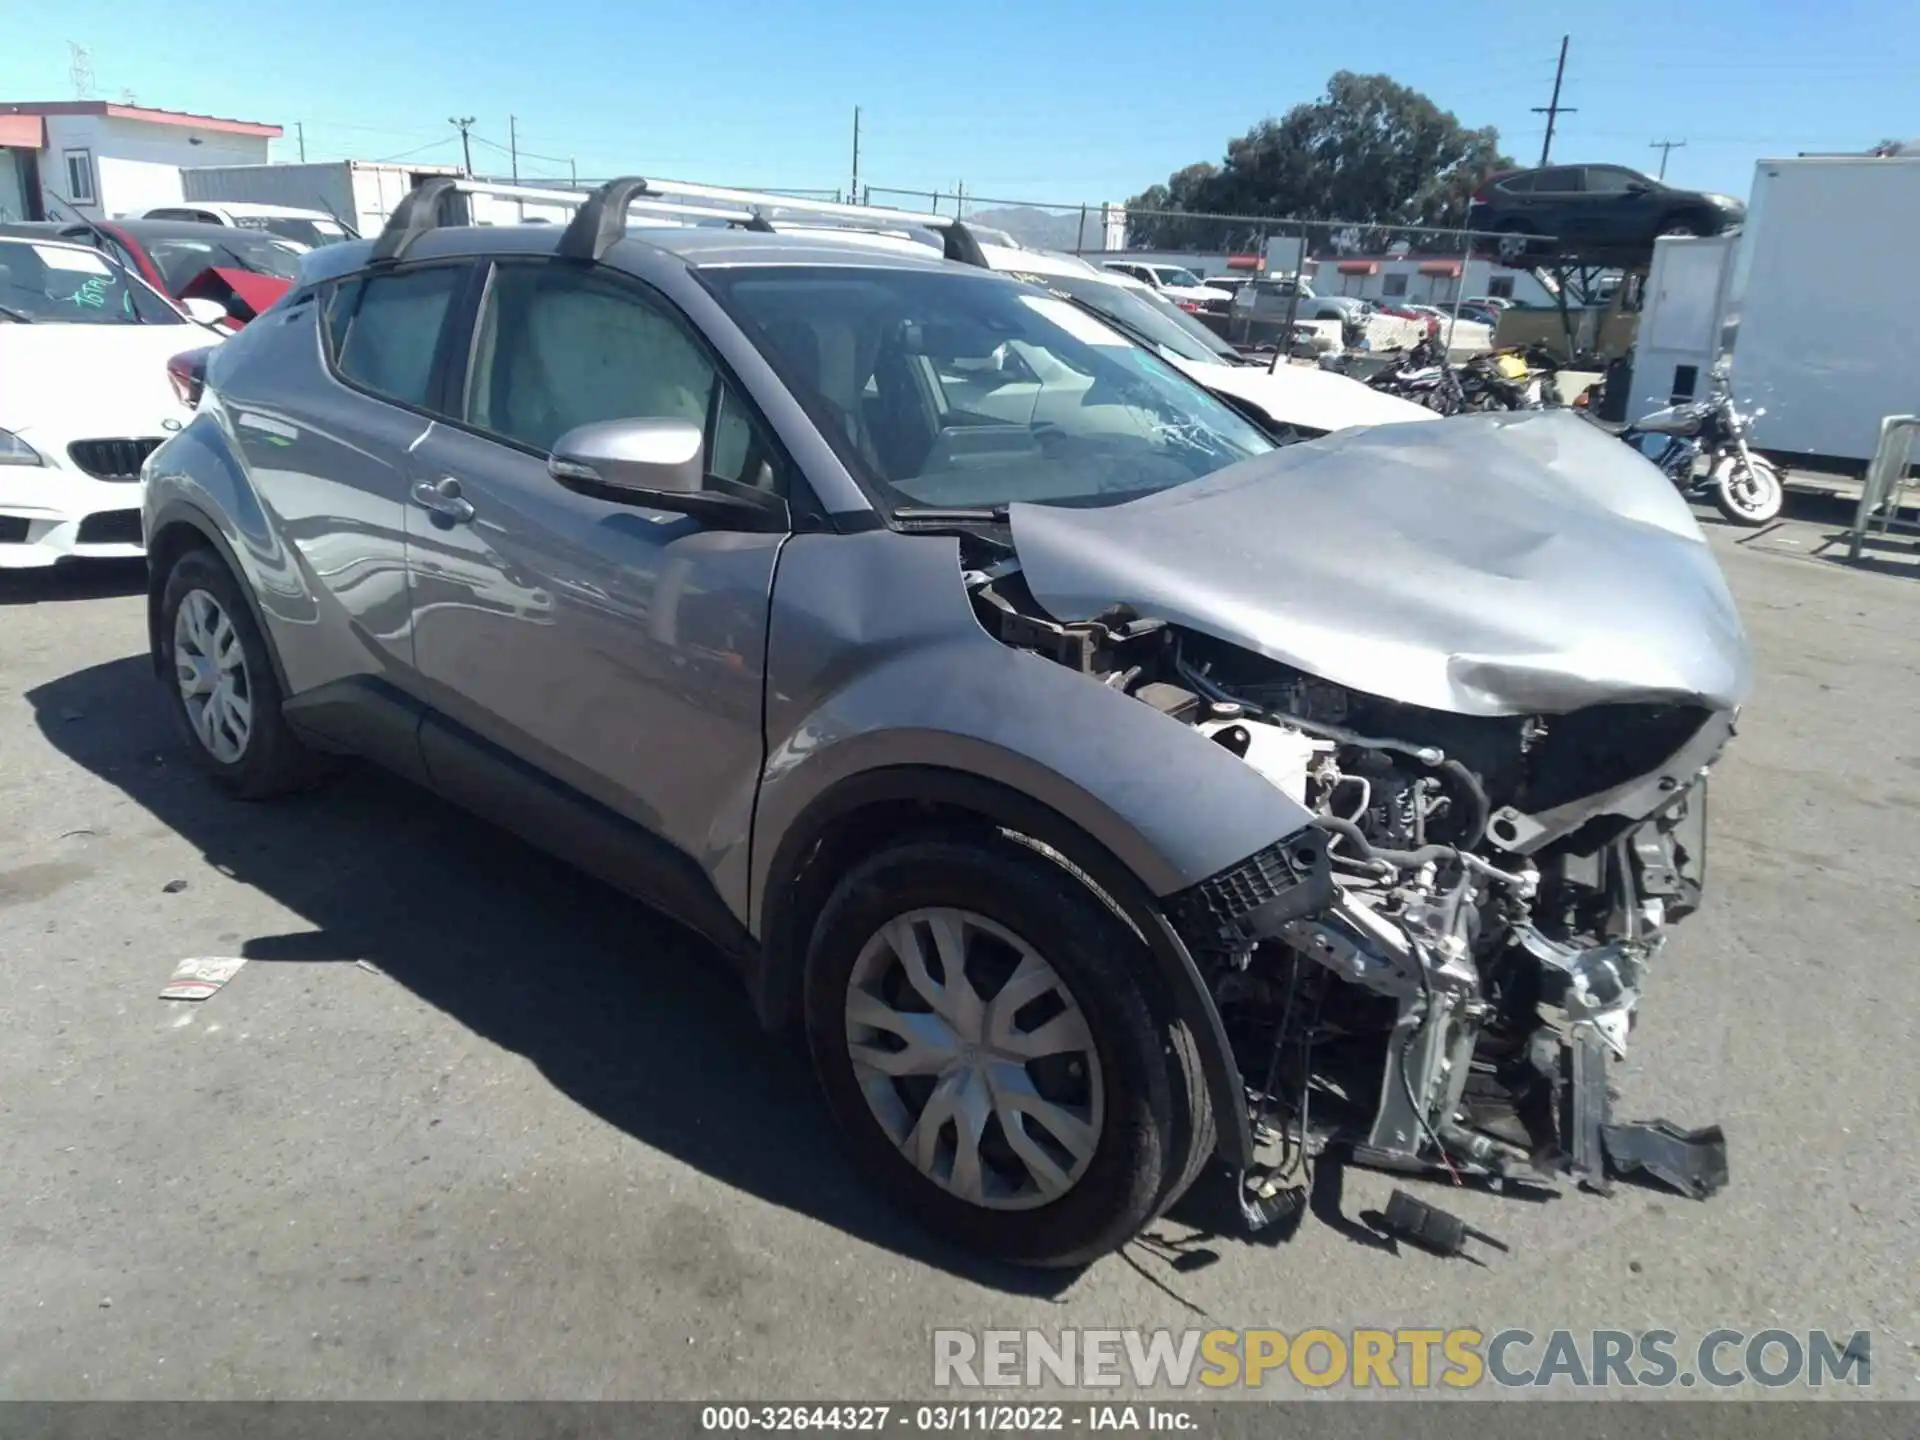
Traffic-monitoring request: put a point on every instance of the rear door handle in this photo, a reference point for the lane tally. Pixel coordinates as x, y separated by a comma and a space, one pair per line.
443, 498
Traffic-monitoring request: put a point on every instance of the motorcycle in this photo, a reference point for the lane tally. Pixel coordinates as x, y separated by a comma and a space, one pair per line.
1508, 380
1423, 376
1745, 487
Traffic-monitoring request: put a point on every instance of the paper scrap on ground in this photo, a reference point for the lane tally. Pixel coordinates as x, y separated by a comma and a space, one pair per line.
198, 978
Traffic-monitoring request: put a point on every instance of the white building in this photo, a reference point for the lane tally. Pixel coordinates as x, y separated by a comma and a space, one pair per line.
1425, 280
103, 159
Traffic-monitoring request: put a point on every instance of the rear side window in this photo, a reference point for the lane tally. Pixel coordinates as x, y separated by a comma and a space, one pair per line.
1564, 181
1519, 184
383, 330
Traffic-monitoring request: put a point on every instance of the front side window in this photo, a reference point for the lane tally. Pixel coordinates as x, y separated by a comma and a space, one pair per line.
80, 176
557, 348
1612, 179
73, 285
969, 390
1174, 275
384, 330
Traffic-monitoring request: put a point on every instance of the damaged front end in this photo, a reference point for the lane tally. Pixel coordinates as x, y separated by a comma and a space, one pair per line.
1437, 972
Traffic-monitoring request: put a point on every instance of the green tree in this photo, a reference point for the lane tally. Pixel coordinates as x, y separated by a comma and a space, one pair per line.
1370, 151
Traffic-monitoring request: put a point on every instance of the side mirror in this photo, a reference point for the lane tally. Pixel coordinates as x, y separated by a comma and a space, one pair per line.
660, 464
207, 312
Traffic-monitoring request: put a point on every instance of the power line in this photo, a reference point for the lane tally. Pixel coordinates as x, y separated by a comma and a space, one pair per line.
1553, 109
1665, 147
417, 150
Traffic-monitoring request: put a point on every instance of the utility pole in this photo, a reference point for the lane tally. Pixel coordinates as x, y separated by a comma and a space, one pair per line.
300, 132
463, 125
960, 200
853, 192
573, 172
1553, 109
513, 146
1664, 146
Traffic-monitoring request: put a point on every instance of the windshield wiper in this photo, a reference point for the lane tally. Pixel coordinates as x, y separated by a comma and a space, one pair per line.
936, 515
15, 315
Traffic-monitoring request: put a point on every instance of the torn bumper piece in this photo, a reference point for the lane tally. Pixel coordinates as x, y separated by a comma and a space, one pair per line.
1692, 1162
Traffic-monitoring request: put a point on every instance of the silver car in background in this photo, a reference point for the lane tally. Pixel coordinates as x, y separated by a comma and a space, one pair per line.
1104, 787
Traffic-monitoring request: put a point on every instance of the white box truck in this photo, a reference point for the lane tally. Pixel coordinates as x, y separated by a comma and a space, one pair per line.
358, 193
1821, 305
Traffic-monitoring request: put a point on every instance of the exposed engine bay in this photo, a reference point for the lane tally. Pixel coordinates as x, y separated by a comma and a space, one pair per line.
1435, 974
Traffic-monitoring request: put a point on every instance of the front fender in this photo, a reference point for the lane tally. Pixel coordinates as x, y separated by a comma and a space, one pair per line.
875, 661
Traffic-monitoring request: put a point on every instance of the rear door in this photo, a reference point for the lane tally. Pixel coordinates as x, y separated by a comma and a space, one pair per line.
1559, 206
327, 425
616, 649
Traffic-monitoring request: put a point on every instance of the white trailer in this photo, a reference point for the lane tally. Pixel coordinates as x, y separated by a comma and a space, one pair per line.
360, 193
1821, 304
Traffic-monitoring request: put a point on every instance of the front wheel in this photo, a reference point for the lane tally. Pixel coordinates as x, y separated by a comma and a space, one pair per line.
1747, 490
995, 1052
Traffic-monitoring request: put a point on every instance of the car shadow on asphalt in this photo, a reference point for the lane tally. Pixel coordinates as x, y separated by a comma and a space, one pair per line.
631, 1017
94, 580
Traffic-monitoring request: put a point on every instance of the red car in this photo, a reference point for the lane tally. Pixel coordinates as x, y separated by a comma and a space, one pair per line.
244, 271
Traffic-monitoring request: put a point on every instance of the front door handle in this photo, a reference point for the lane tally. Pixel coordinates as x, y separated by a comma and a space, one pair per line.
444, 499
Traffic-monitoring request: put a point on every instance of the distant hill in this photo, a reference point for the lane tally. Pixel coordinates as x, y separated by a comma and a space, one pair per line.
1041, 229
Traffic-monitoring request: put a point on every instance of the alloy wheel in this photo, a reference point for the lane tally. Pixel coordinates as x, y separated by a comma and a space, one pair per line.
975, 1058
210, 665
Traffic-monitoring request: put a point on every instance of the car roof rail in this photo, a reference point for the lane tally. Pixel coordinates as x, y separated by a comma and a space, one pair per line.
601, 215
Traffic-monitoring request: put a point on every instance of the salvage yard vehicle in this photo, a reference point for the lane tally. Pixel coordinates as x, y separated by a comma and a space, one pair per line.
1701, 446
1104, 789
84, 398
233, 274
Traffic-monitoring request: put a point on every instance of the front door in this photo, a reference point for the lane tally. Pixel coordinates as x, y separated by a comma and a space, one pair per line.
621, 650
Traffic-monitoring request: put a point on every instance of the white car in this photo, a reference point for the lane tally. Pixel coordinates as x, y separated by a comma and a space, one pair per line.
1176, 282
84, 398
1309, 400
311, 228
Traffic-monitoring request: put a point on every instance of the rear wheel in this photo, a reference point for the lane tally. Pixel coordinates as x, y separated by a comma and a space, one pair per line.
992, 1046
221, 686
1748, 491
1682, 226
1514, 240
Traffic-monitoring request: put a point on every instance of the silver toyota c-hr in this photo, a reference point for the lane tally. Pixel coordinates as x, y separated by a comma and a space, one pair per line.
1105, 784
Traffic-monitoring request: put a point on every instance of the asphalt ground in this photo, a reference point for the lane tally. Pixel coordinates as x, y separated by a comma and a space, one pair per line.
535, 1146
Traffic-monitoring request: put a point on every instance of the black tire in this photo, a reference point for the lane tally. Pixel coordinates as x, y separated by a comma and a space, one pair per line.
1749, 495
1158, 1128
273, 761
1683, 226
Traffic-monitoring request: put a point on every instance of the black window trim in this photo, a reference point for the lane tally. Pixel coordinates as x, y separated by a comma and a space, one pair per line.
452, 389
450, 324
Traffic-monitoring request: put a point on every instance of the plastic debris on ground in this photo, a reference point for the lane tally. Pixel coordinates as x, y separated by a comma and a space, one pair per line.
197, 978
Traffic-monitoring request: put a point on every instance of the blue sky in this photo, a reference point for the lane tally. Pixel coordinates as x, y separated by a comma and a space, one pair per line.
1051, 100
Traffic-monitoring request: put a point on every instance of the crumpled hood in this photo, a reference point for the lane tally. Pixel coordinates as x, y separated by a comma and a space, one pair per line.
72, 382
1307, 395
1486, 565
